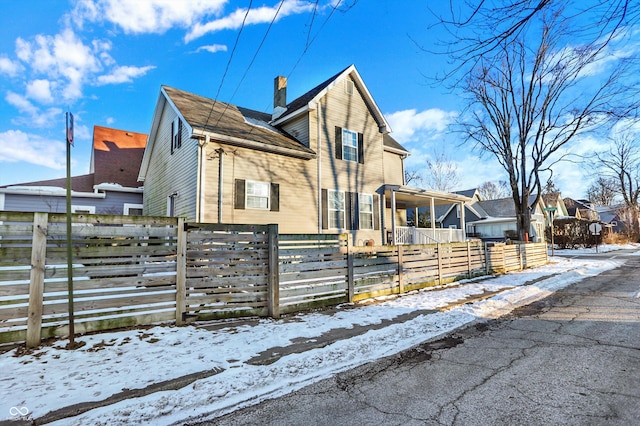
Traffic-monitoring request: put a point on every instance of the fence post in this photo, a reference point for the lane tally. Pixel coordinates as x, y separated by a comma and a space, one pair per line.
181, 272
36, 285
400, 269
521, 247
273, 280
504, 259
350, 273
469, 258
439, 264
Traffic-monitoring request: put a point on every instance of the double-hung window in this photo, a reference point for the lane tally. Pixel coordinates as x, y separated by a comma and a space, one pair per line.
258, 194
349, 145
365, 202
336, 209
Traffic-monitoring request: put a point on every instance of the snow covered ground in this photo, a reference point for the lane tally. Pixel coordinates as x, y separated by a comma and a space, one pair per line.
51, 377
603, 248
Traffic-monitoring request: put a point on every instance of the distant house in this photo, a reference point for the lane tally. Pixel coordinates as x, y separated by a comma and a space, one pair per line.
498, 220
448, 216
580, 209
111, 187
322, 163
555, 201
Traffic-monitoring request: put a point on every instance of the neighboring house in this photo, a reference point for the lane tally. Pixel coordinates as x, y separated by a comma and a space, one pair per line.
111, 187
581, 209
324, 162
555, 201
498, 220
448, 216
611, 218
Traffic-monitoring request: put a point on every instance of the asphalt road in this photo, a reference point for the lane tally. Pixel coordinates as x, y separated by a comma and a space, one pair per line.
571, 359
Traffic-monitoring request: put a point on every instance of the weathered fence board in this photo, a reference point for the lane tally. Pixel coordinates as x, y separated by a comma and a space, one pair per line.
139, 270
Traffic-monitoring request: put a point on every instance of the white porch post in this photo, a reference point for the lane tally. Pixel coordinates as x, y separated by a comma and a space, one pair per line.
432, 213
415, 215
463, 225
393, 217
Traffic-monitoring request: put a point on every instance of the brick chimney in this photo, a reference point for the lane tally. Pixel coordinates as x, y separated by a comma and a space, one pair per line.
279, 96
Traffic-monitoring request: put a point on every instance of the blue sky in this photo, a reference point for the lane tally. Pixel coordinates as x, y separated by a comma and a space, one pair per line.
104, 60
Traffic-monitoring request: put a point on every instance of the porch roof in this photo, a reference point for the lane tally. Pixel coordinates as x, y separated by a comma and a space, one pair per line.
418, 197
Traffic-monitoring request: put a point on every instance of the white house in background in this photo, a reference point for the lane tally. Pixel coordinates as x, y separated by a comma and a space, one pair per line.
111, 187
498, 220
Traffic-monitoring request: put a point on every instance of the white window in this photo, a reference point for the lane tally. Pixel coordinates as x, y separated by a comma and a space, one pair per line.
83, 209
336, 209
257, 194
366, 211
132, 209
349, 145
348, 87
176, 134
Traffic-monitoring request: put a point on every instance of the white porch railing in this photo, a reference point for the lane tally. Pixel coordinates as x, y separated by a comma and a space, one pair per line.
412, 235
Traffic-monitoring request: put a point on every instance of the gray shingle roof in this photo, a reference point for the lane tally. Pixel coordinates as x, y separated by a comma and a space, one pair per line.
502, 207
390, 142
218, 117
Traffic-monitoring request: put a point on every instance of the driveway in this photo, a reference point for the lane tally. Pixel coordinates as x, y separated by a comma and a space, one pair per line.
573, 358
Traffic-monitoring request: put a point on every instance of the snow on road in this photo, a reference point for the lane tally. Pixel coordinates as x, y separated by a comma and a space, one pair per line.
51, 377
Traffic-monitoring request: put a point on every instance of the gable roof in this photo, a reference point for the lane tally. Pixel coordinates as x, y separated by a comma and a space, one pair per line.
116, 156
502, 207
390, 144
233, 125
309, 100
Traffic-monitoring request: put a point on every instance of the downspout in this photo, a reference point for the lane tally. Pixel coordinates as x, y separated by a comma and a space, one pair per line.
201, 178
319, 148
220, 153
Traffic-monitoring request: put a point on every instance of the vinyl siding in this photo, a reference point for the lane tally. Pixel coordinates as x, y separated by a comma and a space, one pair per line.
169, 173
295, 177
299, 129
337, 108
113, 203
393, 169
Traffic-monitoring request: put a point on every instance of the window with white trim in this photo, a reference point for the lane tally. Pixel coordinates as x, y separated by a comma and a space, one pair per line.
336, 209
130, 209
349, 145
257, 195
365, 202
83, 209
176, 134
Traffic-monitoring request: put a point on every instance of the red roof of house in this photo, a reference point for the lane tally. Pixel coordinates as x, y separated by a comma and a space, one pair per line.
116, 158
117, 155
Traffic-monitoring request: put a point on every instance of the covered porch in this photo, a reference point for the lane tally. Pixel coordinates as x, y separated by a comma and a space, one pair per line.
399, 199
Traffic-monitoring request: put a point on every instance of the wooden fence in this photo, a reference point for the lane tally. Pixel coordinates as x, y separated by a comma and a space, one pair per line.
130, 270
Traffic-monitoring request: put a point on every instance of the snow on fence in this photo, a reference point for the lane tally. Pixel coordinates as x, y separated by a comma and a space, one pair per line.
130, 270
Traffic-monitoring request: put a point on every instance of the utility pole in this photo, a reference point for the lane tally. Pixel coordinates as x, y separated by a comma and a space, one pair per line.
69, 128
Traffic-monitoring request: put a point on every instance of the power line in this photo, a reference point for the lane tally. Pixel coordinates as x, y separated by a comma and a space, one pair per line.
235, 45
255, 55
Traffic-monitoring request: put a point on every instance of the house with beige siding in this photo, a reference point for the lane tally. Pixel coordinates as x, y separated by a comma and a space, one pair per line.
322, 163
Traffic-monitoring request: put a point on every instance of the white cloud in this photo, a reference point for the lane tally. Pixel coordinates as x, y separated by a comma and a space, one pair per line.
35, 117
40, 90
110, 121
123, 74
411, 125
16, 146
9, 67
213, 48
148, 16
258, 15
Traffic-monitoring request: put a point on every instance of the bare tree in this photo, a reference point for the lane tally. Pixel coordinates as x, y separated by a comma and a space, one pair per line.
441, 172
533, 91
479, 27
550, 189
602, 192
622, 164
412, 176
494, 191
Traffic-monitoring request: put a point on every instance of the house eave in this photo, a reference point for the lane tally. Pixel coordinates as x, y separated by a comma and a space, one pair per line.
259, 146
50, 192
